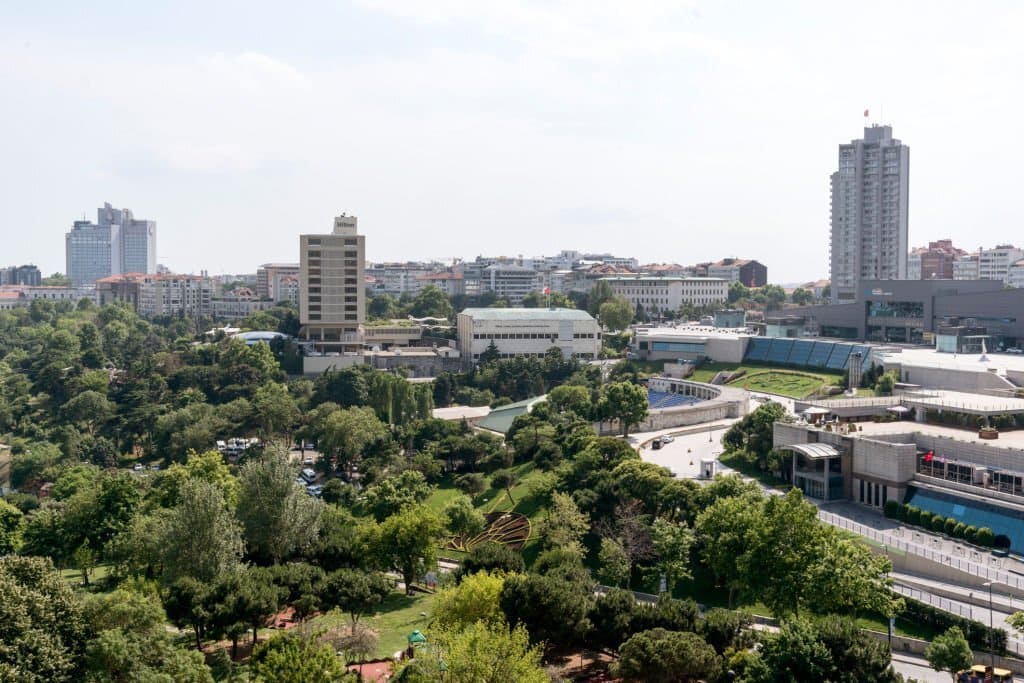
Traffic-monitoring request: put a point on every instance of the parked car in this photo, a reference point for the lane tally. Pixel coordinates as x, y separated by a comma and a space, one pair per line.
138, 466
667, 439
308, 475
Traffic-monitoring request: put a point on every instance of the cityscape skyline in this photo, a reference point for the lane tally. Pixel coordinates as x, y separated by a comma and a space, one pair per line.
473, 130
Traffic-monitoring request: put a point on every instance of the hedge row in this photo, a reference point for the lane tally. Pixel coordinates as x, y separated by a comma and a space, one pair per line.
946, 525
980, 636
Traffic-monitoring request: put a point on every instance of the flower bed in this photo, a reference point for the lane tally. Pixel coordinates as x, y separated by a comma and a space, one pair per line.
508, 528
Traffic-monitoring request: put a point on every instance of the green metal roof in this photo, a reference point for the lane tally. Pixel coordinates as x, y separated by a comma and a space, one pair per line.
526, 314
500, 419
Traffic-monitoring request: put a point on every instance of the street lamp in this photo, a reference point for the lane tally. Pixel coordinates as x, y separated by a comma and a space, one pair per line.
991, 650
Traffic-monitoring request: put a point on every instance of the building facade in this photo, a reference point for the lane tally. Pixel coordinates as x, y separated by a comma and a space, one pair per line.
869, 223
159, 294
912, 311
332, 293
21, 275
659, 294
994, 264
270, 278
519, 332
748, 271
116, 243
934, 262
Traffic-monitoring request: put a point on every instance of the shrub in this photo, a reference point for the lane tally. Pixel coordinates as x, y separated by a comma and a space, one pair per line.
971, 534
1001, 541
979, 635
985, 537
913, 515
892, 509
471, 484
959, 529
949, 526
926, 519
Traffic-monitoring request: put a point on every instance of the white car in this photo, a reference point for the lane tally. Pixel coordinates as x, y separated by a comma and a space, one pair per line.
138, 467
667, 439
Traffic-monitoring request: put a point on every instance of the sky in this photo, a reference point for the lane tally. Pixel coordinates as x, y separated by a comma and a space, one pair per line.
669, 130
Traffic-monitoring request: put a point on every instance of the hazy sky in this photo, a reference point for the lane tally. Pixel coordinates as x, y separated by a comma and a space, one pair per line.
667, 130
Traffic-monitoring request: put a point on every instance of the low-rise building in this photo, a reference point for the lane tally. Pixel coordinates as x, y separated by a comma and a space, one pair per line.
451, 283
669, 293
237, 304
748, 271
528, 332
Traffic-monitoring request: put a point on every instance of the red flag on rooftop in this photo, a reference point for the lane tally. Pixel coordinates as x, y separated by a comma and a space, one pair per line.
928, 456
865, 113
547, 290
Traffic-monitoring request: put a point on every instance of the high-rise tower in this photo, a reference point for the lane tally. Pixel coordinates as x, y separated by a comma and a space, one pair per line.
870, 194
116, 243
332, 295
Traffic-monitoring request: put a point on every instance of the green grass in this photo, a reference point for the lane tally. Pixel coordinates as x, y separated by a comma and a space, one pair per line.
733, 460
769, 379
74, 576
393, 620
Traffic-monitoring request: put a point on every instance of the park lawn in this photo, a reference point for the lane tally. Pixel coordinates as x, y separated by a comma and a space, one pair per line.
393, 620
97, 574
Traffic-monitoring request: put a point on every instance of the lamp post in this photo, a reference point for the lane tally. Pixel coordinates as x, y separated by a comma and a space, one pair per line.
991, 650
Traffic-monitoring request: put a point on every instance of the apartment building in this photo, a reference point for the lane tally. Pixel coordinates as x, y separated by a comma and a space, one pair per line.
271, 276
869, 215
994, 264
158, 294
21, 275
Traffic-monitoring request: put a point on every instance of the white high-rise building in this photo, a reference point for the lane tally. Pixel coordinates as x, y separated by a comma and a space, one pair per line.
870, 194
332, 293
116, 243
994, 264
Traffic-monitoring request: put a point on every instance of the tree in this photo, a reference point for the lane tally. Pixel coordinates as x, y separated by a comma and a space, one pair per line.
796, 654
614, 563
354, 591
391, 494
294, 659
480, 652
431, 302
737, 291
626, 402
42, 629
491, 557
133, 642
754, 431
208, 466
949, 651
200, 537
660, 656
462, 519
275, 409
599, 294
672, 542
722, 529
779, 551
476, 598
616, 313
886, 383
532, 599
722, 628
847, 577
382, 306
346, 434
10, 527
408, 542
504, 479
244, 599
572, 398
278, 516
802, 296
565, 525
